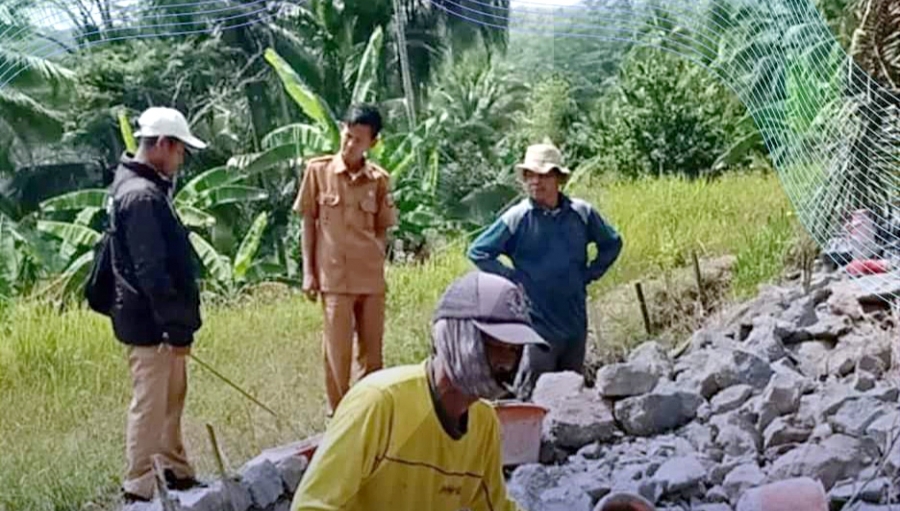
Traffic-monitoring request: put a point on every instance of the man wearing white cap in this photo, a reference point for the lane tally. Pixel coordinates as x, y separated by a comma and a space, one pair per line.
422, 436
156, 309
546, 236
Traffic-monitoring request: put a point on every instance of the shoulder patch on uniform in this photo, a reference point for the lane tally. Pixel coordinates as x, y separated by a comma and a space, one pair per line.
319, 161
378, 171
514, 215
583, 208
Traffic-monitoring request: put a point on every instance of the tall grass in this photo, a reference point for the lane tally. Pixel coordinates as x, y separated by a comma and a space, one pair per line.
64, 385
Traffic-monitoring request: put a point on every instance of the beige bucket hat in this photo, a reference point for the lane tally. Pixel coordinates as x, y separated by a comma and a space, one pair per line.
542, 158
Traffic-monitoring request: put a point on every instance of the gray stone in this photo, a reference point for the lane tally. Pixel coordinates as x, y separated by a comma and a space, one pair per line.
630, 482
842, 361
836, 458
238, 495
668, 446
842, 303
717, 494
705, 339
886, 394
731, 398
834, 397
884, 428
801, 313
154, 505
741, 479
781, 397
263, 481
528, 483
892, 461
789, 494
662, 410
625, 380
873, 491
282, 505
593, 451
565, 498
651, 356
828, 328
865, 506
699, 435
787, 368
718, 473
752, 370
765, 340
809, 460
723, 368
736, 435
712, 507
812, 357
854, 416
809, 412
821, 431
595, 484
578, 420
863, 381
292, 469
781, 432
680, 476
211, 498
553, 387
871, 364
289, 462
875, 290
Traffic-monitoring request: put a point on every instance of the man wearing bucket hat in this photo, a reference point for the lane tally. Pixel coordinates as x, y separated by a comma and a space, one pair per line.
546, 236
156, 310
422, 436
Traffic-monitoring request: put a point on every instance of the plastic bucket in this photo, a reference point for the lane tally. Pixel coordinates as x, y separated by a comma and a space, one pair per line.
521, 425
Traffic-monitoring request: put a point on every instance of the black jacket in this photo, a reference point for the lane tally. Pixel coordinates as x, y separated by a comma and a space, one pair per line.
157, 298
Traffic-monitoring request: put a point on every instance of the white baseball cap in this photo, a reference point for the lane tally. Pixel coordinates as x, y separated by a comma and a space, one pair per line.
167, 122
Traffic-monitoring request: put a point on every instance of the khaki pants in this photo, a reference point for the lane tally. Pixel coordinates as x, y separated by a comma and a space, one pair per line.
159, 385
346, 315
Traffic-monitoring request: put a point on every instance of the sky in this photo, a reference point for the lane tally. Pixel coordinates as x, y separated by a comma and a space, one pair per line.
541, 3
53, 18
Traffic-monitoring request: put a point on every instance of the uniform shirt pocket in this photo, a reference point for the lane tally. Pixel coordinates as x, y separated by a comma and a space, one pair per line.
328, 205
369, 207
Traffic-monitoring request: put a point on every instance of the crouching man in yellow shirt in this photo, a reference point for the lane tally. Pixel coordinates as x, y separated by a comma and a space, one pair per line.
422, 437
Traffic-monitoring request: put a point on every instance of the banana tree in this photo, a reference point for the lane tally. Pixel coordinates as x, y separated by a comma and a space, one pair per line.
228, 277
194, 204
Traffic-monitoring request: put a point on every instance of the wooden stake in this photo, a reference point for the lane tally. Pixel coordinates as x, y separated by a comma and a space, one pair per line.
644, 312
699, 278
162, 490
216, 452
227, 484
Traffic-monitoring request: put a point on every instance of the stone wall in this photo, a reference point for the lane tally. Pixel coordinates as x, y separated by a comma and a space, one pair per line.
787, 386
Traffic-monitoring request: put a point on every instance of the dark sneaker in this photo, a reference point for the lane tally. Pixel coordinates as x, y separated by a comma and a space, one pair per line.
181, 483
131, 498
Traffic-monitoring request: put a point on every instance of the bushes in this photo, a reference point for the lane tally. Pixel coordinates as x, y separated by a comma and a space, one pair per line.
666, 115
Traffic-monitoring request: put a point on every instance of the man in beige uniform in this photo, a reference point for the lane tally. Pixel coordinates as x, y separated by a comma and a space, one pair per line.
347, 209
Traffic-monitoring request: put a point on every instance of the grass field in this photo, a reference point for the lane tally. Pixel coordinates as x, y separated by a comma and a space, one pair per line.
64, 386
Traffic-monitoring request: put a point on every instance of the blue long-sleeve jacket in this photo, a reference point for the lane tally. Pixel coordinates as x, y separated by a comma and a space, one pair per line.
548, 249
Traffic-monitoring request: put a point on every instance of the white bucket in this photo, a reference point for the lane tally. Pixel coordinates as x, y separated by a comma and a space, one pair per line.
521, 425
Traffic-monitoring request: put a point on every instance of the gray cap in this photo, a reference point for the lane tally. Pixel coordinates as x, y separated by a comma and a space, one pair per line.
497, 306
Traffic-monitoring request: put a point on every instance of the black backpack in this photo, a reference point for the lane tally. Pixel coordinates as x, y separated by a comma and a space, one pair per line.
100, 288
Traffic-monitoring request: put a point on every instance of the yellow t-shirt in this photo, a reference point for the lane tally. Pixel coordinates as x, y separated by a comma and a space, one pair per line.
386, 450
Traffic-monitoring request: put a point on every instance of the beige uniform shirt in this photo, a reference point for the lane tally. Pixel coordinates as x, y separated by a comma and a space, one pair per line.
350, 212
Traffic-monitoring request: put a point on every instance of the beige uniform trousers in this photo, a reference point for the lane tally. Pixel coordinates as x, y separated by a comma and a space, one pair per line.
346, 315
159, 385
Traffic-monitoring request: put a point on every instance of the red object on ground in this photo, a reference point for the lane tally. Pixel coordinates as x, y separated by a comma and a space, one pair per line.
859, 267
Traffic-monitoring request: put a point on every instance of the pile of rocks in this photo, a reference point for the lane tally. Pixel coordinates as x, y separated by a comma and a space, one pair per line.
265, 483
794, 383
